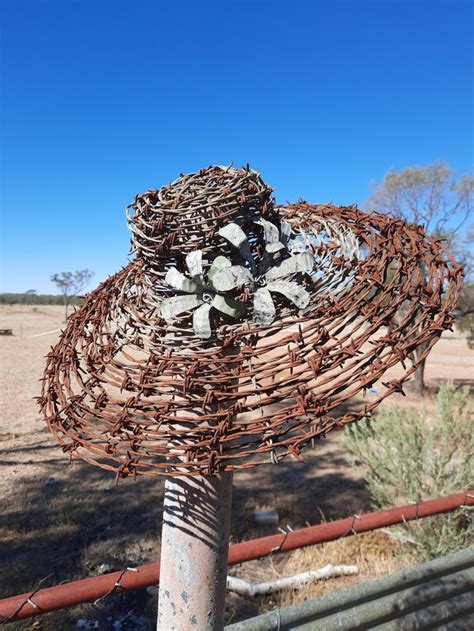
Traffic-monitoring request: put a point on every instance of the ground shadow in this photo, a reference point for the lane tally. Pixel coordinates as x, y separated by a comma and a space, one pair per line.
77, 522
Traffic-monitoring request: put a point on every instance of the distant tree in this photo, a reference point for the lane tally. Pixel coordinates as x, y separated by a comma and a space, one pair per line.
71, 284
465, 312
438, 200
30, 295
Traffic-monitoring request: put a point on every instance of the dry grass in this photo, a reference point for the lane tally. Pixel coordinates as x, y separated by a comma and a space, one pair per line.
374, 553
82, 523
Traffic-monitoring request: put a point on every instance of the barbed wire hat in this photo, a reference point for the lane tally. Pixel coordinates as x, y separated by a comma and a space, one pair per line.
239, 328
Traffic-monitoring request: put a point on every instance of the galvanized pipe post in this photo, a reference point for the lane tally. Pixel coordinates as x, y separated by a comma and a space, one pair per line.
194, 549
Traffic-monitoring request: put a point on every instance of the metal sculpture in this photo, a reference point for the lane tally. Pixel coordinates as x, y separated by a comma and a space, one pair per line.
235, 334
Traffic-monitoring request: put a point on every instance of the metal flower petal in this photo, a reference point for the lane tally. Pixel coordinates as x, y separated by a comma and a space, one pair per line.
219, 263
264, 311
231, 277
285, 231
202, 321
230, 307
176, 305
179, 281
194, 265
298, 295
272, 248
271, 234
303, 262
237, 237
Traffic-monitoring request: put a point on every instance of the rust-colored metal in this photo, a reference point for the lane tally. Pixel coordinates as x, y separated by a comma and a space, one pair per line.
90, 589
136, 394
186, 214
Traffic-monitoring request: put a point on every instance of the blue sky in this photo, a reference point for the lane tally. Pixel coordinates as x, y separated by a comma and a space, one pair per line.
102, 100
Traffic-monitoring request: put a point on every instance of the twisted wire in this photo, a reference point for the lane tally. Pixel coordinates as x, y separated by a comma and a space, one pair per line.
135, 394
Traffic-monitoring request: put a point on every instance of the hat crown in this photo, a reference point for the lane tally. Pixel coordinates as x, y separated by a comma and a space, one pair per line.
186, 214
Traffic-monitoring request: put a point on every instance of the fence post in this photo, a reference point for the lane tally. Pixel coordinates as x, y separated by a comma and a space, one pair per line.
194, 549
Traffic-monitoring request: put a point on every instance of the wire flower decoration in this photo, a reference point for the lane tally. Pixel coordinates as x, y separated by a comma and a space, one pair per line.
264, 276
240, 329
202, 296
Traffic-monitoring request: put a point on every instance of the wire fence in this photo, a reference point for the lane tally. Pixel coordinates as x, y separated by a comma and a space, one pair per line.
43, 600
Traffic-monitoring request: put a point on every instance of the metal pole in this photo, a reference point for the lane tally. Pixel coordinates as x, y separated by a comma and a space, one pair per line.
194, 548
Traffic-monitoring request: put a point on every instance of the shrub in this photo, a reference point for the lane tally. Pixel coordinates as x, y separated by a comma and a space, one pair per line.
409, 457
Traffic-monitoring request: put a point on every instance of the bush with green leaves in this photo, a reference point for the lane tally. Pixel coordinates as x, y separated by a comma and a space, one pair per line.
410, 456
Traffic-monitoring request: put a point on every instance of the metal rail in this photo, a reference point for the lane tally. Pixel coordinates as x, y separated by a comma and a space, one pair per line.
49, 599
426, 596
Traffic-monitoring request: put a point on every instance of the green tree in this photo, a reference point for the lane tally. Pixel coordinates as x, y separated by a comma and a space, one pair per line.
71, 284
438, 200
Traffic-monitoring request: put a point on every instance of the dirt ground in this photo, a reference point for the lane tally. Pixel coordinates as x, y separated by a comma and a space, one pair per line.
61, 522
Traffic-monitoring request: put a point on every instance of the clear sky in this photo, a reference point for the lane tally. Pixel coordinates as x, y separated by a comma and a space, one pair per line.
102, 100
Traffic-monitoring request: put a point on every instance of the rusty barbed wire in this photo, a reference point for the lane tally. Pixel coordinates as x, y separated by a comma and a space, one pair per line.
187, 213
139, 394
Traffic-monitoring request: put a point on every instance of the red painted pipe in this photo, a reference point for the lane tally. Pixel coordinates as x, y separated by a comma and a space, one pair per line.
256, 548
89, 589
